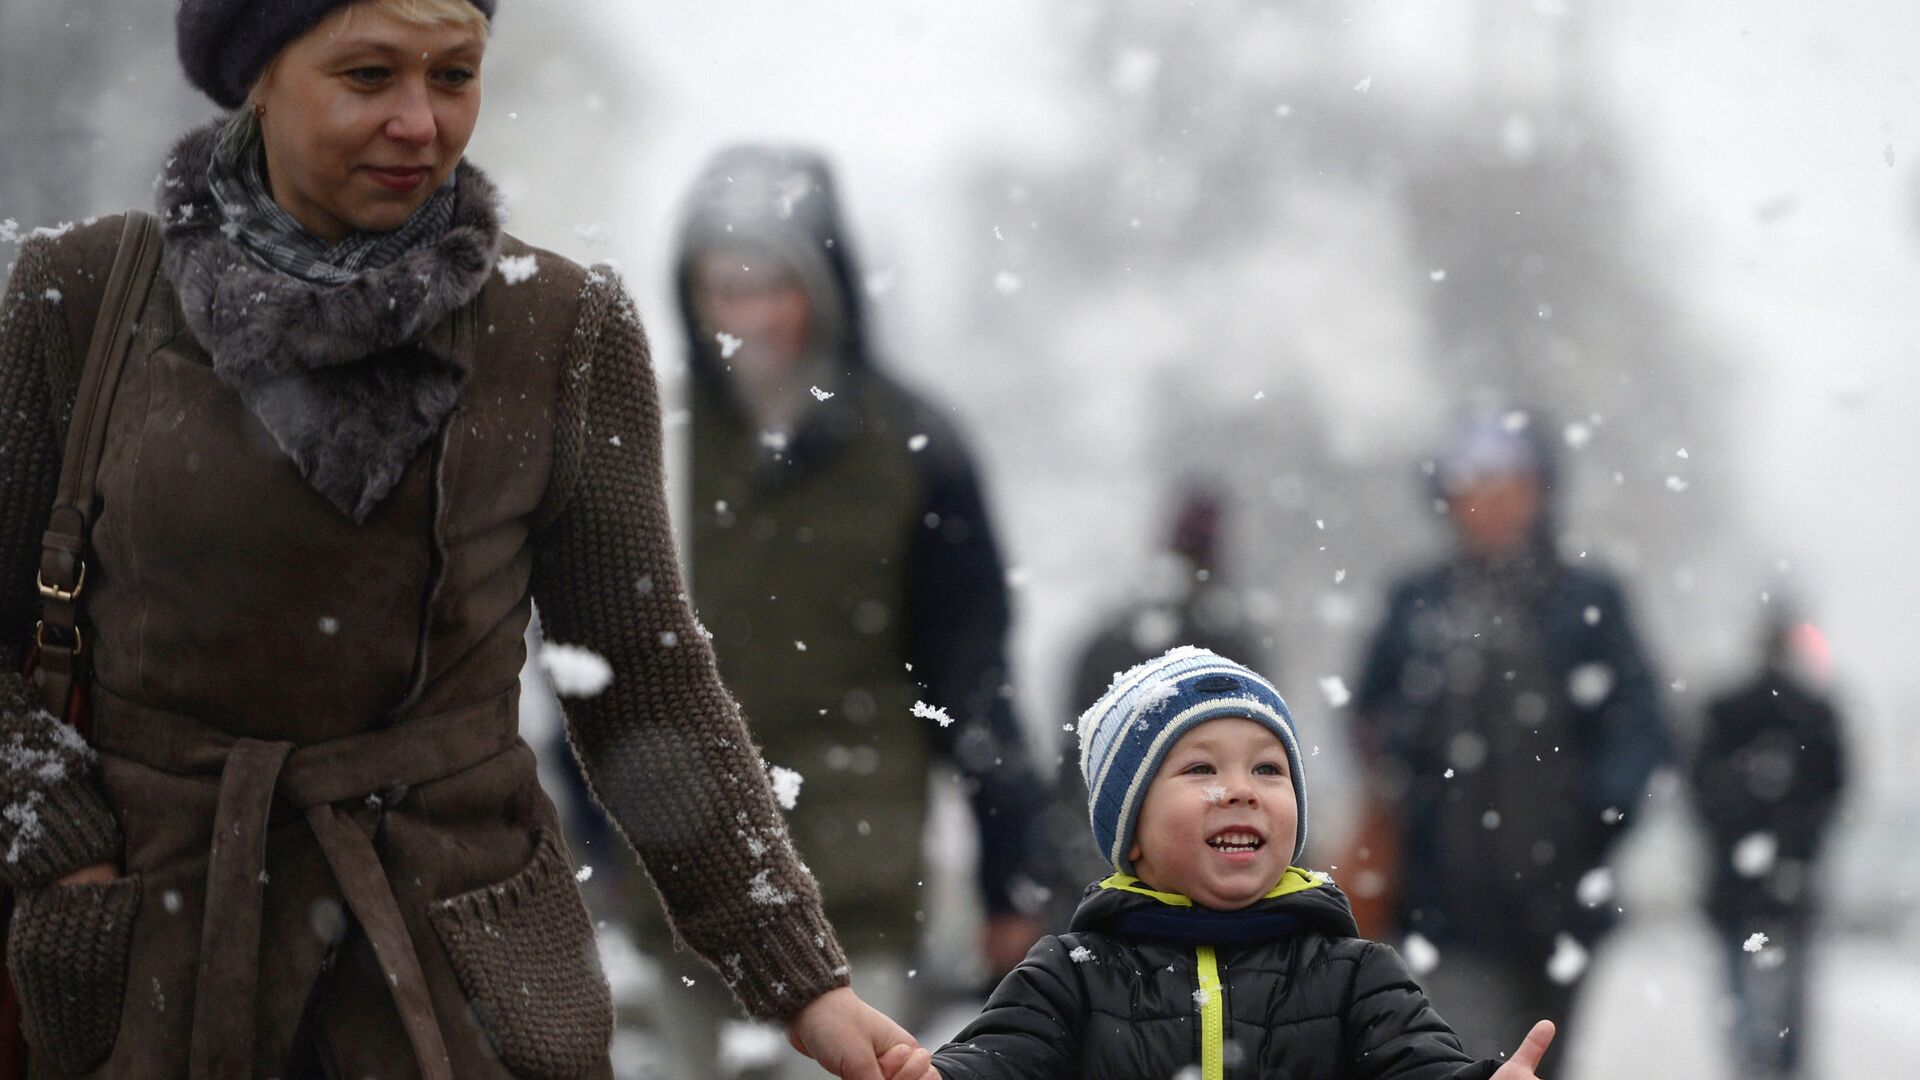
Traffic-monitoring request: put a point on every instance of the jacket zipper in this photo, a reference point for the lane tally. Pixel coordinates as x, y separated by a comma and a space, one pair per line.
1212, 999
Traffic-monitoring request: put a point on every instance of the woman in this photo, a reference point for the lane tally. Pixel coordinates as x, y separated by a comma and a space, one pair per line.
360, 428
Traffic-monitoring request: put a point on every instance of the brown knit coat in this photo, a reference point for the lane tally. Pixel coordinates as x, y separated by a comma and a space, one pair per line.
337, 697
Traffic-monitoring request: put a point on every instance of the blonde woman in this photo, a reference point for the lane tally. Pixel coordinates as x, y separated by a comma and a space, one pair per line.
358, 431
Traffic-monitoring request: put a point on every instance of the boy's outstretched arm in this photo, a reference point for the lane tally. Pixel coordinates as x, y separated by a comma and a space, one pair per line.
1030, 1028
1393, 1033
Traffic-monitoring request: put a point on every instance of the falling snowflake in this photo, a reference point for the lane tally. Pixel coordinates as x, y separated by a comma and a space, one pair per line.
1420, 954
576, 672
1590, 684
917, 443
747, 1047
583, 874
1754, 855
1335, 688
932, 712
819, 394
1596, 887
728, 345
1364, 84
1755, 942
594, 234
1568, 961
1006, 282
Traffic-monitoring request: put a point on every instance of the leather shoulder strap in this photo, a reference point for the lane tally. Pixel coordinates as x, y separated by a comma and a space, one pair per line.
63, 568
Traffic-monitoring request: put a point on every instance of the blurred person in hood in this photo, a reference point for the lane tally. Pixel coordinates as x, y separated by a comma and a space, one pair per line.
1511, 721
1766, 779
844, 561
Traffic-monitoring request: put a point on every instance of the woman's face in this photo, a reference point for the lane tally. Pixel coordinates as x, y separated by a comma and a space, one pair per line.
365, 115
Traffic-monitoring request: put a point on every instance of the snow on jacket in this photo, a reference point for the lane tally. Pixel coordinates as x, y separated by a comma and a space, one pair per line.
1148, 984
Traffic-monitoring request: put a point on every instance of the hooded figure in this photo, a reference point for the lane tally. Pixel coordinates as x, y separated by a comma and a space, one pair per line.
1512, 721
843, 559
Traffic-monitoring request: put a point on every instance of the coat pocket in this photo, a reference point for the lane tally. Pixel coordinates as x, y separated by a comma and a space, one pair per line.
67, 952
525, 953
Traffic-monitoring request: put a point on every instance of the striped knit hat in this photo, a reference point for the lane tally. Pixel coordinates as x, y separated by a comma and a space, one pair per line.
1127, 733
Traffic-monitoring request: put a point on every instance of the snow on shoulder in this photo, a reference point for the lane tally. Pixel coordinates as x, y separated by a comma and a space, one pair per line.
517, 268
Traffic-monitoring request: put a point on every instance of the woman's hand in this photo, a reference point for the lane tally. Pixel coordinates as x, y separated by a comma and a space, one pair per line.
847, 1036
1526, 1059
91, 875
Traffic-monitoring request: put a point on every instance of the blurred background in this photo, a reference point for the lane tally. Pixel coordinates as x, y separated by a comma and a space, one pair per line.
1277, 247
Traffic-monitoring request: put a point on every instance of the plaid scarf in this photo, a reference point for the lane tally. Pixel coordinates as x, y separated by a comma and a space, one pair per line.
238, 179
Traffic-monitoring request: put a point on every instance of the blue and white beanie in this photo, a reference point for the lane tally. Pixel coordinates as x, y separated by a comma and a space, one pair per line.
1127, 733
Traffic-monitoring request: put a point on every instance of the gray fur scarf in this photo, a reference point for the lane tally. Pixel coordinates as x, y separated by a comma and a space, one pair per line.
342, 376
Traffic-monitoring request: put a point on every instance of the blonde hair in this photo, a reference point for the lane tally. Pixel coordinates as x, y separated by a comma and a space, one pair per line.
243, 127
426, 13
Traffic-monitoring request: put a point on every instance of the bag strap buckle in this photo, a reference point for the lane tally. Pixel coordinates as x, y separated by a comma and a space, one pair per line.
56, 593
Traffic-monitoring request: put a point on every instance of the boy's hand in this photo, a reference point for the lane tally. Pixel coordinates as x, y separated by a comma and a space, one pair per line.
905, 1062
1526, 1059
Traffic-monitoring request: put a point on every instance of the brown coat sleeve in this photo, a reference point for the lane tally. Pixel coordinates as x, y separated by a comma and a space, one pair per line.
664, 747
53, 817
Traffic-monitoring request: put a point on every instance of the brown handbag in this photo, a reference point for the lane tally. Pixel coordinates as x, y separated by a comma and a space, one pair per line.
58, 660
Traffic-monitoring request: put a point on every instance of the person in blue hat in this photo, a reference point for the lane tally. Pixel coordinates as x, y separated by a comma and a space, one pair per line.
1209, 948
1510, 719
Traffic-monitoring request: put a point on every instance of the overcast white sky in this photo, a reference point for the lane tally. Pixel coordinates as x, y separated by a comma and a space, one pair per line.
1764, 131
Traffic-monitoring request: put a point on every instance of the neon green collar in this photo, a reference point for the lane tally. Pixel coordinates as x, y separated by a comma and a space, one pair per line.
1293, 881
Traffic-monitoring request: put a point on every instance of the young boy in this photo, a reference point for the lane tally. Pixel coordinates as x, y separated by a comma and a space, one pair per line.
1208, 954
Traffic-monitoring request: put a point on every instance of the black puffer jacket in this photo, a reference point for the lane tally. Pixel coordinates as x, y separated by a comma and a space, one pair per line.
1146, 984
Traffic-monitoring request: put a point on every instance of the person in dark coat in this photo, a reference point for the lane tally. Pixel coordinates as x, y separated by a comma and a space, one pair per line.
1766, 779
1206, 951
1511, 720
359, 430
844, 560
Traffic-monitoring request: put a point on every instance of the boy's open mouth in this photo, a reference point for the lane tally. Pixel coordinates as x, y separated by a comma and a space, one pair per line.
1236, 840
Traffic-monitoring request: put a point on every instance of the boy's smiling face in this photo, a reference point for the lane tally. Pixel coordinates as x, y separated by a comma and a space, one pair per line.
1219, 819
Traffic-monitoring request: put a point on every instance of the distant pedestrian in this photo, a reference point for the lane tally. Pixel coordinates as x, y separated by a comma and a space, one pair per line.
1511, 720
1767, 779
844, 560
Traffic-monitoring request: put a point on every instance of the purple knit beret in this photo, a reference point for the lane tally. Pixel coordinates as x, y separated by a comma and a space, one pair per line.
226, 44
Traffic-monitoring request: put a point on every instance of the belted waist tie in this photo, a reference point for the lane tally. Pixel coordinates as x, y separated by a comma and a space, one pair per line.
314, 779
